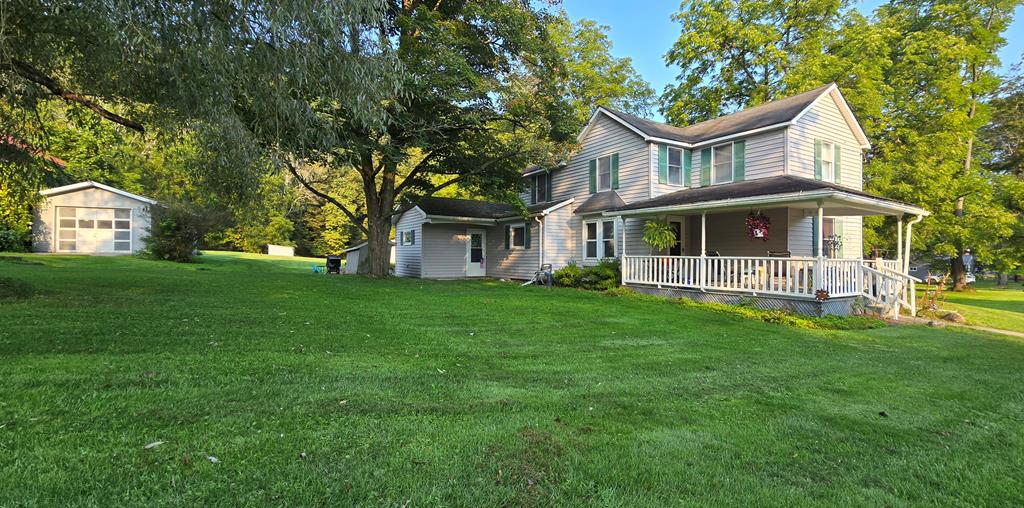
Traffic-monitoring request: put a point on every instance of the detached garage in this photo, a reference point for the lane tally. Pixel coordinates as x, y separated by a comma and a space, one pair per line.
90, 218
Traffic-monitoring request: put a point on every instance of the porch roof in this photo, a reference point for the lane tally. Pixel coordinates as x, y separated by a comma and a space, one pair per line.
780, 191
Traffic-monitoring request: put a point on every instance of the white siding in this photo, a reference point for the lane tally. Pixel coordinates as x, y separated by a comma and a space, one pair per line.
44, 220
764, 156
727, 233
605, 137
408, 258
801, 231
824, 121
560, 238
660, 188
444, 251
512, 263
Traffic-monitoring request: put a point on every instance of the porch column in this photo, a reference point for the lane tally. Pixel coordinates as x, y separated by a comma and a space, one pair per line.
819, 262
622, 257
703, 233
899, 240
820, 217
703, 249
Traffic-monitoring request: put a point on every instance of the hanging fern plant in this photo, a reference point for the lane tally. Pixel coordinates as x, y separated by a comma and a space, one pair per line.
758, 225
659, 235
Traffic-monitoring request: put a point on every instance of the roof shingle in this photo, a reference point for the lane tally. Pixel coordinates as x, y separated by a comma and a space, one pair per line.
764, 115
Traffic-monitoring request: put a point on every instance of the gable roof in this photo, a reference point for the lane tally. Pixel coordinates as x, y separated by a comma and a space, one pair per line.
451, 207
770, 115
89, 184
775, 185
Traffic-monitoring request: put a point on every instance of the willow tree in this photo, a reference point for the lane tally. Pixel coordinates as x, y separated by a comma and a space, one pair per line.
411, 96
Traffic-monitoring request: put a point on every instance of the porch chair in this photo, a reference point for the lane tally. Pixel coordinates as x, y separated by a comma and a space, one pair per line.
781, 272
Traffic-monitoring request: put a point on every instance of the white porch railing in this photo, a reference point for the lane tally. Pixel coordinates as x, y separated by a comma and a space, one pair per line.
795, 276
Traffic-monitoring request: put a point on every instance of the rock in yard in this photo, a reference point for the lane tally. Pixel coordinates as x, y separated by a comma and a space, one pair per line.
954, 317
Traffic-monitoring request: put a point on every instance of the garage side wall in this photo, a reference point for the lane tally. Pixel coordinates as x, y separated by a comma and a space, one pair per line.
44, 221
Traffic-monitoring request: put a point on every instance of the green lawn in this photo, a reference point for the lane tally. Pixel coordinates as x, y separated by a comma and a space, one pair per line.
427, 393
988, 305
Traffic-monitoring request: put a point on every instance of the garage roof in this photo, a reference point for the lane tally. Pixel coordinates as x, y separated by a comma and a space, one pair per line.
89, 184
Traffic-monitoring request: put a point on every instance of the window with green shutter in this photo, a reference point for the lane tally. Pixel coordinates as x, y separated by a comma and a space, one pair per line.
705, 167
662, 164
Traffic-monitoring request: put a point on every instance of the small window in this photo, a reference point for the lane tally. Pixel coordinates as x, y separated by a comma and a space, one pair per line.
122, 246
85, 224
104, 224
517, 236
408, 237
122, 213
540, 182
67, 235
604, 173
65, 212
675, 166
827, 161
66, 246
122, 224
67, 223
122, 235
722, 162
600, 239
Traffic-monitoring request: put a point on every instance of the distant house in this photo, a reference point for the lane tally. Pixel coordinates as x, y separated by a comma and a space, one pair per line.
357, 255
795, 162
90, 218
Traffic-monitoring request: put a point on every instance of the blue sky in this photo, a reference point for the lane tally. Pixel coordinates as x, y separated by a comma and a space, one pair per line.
643, 31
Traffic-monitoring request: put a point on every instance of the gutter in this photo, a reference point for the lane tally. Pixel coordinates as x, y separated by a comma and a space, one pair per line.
761, 200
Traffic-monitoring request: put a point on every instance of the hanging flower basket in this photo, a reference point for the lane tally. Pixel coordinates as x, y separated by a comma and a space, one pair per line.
758, 225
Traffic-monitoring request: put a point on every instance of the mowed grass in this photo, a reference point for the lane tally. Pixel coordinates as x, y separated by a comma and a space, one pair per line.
988, 305
317, 390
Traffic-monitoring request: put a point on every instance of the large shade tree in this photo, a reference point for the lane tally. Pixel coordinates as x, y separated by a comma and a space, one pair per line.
413, 97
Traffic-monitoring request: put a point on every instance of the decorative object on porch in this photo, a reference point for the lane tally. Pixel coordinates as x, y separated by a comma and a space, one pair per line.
821, 295
659, 235
758, 225
833, 244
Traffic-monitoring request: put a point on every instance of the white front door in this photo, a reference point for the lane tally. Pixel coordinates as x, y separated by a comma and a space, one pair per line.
476, 240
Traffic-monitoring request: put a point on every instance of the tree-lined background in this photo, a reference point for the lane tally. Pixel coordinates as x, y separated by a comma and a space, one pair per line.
310, 123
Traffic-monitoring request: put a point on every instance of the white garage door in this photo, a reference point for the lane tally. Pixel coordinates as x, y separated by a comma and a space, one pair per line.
94, 229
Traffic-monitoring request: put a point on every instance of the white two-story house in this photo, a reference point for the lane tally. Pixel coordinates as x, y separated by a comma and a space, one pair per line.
793, 167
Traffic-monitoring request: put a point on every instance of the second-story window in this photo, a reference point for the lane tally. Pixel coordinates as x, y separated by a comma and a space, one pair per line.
675, 166
722, 162
604, 173
827, 161
540, 184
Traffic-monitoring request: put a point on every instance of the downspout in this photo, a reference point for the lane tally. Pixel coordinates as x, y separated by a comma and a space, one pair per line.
906, 249
540, 229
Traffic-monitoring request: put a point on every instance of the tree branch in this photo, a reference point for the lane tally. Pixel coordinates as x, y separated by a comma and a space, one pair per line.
32, 74
324, 196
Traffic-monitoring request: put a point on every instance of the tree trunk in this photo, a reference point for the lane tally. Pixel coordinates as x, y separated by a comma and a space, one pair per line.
379, 246
959, 272
1004, 279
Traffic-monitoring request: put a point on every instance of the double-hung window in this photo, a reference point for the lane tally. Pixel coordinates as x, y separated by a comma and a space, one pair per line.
599, 239
722, 163
828, 158
517, 236
675, 166
540, 185
604, 173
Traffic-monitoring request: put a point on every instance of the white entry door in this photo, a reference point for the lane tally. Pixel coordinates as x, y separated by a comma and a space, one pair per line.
476, 240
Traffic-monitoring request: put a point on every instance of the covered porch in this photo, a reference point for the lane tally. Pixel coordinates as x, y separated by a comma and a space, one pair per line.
802, 273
